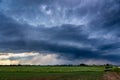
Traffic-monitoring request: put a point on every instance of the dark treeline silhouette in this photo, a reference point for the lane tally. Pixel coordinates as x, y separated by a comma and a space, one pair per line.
82, 64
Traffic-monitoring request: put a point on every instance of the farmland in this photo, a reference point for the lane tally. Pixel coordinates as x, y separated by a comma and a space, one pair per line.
50, 69
51, 73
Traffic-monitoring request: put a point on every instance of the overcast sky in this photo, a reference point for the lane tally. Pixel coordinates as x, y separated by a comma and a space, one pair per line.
59, 31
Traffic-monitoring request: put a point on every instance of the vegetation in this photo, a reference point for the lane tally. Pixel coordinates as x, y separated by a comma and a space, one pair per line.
51, 72
50, 69
51, 76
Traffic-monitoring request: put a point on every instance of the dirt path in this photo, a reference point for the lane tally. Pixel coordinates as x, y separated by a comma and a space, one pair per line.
111, 76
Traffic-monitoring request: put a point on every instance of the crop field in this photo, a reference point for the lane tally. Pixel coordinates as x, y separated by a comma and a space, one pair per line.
50, 73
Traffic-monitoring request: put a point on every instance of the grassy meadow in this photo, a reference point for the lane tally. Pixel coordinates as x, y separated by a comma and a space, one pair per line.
51, 72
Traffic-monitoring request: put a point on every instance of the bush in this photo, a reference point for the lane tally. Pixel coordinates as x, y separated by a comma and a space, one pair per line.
116, 70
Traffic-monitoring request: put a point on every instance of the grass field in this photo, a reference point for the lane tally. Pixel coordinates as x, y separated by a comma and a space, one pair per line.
51, 73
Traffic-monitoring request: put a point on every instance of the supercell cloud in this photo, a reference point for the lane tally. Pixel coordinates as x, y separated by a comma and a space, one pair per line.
59, 31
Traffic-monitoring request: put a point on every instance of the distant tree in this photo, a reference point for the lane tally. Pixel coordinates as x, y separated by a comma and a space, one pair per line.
19, 65
108, 67
82, 64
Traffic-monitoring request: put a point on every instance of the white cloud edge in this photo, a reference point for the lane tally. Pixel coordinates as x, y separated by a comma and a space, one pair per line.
44, 59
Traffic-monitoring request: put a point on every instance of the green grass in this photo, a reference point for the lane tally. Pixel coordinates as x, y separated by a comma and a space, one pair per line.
50, 73
51, 76
49, 68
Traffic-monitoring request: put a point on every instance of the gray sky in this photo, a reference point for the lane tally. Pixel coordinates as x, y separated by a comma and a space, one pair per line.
71, 31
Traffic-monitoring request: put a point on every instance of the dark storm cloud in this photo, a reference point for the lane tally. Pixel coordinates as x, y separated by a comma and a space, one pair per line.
85, 29
24, 37
110, 46
112, 18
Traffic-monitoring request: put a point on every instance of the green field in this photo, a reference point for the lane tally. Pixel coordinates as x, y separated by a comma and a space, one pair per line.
51, 73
